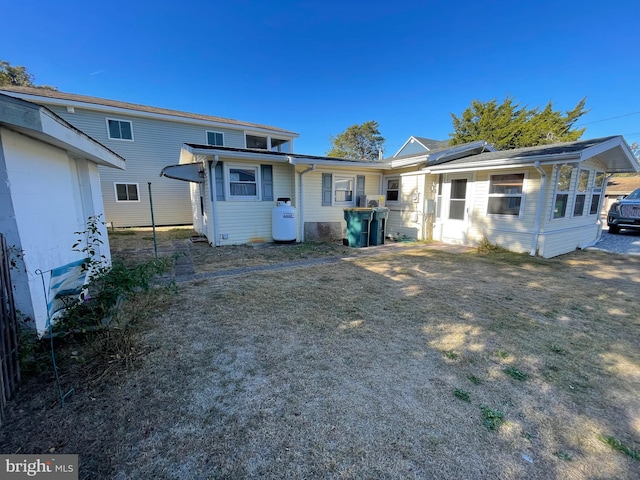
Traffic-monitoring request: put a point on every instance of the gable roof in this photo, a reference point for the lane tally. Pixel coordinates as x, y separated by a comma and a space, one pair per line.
71, 99
39, 122
613, 152
428, 144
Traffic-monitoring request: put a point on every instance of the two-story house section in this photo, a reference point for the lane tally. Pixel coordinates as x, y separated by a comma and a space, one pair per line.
149, 138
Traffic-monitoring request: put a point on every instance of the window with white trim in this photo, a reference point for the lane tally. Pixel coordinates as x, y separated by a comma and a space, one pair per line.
563, 186
343, 190
393, 189
581, 193
243, 182
505, 194
215, 138
596, 193
119, 129
126, 192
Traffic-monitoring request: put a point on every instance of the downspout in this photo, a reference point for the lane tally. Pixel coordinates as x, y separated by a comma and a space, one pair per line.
214, 199
536, 227
301, 214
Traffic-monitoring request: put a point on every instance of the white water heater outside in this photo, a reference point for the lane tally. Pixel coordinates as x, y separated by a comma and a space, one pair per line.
283, 221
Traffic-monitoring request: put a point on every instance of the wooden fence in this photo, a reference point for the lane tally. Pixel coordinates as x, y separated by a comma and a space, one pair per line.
9, 353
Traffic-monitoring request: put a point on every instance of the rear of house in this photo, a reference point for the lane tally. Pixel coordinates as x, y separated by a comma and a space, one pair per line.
150, 138
542, 200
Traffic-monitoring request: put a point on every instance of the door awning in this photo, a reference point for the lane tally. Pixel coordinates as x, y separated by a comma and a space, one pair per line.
188, 172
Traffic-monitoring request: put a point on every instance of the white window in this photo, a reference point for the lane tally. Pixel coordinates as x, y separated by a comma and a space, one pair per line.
243, 182
343, 190
393, 189
596, 193
563, 185
119, 129
581, 193
126, 192
505, 194
215, 138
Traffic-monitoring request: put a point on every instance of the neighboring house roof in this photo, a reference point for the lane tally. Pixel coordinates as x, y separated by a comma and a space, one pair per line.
427, 143
613, 152
41, 123
442, 155
71, 99
622, 185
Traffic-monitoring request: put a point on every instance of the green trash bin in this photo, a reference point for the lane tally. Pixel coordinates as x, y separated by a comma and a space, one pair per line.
378, 225
358, 223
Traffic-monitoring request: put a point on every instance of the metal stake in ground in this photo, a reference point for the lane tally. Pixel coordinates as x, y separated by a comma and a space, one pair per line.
153, 223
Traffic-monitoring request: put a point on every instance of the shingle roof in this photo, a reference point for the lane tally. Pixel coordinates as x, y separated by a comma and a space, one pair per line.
432, 144
47, 93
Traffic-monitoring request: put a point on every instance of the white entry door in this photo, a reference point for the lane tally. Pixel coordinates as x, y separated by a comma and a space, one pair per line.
457, 205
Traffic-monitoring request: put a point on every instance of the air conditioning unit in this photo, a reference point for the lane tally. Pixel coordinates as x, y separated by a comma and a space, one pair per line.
369, 201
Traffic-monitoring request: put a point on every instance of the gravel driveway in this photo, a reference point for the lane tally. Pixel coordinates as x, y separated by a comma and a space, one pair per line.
627, 242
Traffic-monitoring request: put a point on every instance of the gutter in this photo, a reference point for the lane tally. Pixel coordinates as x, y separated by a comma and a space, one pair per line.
536, 227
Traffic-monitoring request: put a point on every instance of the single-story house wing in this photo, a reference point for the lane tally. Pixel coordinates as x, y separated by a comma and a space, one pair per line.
542, 200
49, 187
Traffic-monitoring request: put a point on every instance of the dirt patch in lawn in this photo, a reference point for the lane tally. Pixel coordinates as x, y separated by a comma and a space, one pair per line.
410, 364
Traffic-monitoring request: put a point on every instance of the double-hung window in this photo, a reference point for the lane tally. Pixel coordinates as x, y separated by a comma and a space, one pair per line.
563, 186
126, 192
343, 190
596, 193
581, 193
243, 182
393, 189
505, 194
119, 129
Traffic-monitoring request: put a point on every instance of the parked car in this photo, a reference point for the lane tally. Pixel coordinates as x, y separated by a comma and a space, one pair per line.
625, 213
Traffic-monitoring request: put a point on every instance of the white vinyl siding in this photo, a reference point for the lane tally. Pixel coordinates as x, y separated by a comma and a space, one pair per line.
157, 144
241, 224
315, 211
496, 228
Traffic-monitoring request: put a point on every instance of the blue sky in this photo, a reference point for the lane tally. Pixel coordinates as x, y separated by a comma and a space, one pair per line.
317, 67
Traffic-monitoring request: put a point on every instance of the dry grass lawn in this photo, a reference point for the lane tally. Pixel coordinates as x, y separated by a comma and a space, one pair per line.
378, 366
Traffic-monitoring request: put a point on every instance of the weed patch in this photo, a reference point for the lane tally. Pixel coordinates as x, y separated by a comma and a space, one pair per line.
462, 394
493, 419
616, 444
515, 373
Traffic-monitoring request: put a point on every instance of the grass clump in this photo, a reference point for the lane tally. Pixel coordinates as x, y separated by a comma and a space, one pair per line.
462, 394
556, 349
451, 355
475, 380
617, 444
501, 354
485, 246
516, 373
562, 455
493, 419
